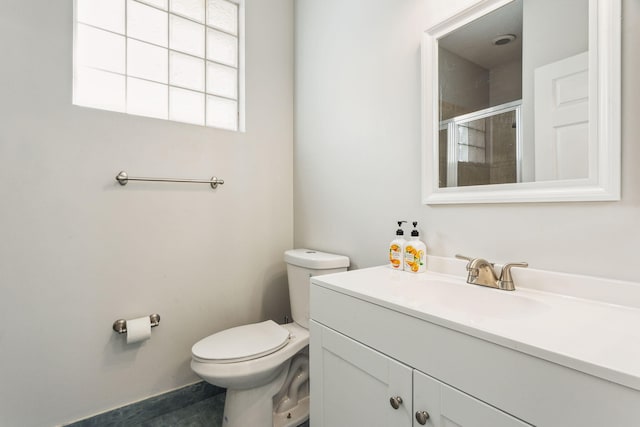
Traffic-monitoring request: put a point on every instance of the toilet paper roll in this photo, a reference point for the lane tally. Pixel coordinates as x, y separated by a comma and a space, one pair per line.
138, 329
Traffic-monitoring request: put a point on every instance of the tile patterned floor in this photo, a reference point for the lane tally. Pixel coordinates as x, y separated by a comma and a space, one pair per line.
198, 405
206, 413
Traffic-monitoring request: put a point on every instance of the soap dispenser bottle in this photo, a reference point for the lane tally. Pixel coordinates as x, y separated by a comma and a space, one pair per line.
415, 253
396, 249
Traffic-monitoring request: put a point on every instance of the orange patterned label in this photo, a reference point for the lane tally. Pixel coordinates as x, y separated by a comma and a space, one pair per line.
395, 255
413, 258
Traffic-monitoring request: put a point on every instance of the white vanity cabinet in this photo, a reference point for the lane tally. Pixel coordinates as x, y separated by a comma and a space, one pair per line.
354, 385
378, 334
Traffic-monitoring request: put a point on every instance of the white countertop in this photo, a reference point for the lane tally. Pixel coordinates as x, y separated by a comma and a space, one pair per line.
598, 338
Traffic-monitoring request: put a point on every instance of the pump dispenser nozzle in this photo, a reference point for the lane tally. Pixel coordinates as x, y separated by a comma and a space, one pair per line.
414, 232
399, 231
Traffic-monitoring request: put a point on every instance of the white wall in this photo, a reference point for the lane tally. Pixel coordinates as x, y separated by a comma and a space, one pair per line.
357, 138
77, 251
357, 151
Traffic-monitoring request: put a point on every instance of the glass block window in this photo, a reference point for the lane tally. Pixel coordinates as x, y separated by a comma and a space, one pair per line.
177, 60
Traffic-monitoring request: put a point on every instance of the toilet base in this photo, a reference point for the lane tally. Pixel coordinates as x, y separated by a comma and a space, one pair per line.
253, 407
256, 407
294, 416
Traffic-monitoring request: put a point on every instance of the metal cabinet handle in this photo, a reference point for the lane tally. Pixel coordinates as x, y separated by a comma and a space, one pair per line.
422, 417
395, 402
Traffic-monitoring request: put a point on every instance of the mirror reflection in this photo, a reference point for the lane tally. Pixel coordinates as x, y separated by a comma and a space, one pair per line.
513, 95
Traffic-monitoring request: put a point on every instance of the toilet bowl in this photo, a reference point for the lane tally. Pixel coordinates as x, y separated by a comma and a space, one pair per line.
265, 366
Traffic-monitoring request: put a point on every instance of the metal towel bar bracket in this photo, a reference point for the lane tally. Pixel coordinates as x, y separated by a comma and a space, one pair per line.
120, 325
123, 178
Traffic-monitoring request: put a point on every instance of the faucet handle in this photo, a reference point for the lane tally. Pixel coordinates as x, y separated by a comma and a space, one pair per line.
466, 258
505, 276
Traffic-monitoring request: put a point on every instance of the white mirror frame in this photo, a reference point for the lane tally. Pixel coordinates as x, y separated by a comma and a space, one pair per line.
603, 183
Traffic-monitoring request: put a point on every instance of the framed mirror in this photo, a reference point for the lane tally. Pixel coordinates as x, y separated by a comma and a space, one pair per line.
521, 103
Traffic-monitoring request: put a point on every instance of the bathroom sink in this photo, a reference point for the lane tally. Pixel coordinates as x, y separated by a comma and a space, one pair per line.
452, 298
481, 302
444, 295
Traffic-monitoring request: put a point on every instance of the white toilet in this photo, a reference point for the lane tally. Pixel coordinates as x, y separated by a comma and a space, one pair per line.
265, 366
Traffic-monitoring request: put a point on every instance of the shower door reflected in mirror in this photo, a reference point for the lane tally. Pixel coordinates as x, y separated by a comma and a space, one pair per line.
481, 148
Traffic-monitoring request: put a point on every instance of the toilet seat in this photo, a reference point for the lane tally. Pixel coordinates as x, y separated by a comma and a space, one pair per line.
255, 372
242, 343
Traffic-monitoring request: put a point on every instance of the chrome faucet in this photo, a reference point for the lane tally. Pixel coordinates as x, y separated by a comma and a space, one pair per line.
481, 273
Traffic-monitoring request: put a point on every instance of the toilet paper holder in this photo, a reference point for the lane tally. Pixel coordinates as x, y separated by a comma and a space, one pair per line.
120, 325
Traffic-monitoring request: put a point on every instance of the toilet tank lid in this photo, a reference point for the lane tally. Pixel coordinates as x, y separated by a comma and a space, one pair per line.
316, 260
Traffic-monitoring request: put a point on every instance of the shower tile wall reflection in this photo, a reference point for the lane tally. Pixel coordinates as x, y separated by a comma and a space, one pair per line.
487, 150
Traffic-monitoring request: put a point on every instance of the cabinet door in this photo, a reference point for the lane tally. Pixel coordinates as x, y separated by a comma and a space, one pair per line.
448, 407
352, 385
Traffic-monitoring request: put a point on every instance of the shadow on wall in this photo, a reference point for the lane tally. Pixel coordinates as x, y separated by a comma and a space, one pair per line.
117, 352
275, 294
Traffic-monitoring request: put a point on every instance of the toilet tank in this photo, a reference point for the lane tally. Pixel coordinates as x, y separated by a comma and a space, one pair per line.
301, 265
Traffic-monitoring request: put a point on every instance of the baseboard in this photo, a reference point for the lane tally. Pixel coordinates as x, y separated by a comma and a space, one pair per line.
156, 407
